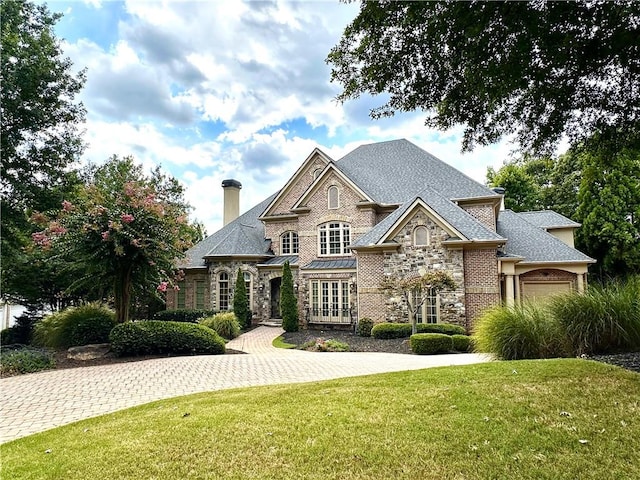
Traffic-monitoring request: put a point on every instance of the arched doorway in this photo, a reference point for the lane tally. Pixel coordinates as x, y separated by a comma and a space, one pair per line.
274, 285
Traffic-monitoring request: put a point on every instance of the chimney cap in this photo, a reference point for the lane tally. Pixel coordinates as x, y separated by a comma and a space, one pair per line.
499, 190
231, 183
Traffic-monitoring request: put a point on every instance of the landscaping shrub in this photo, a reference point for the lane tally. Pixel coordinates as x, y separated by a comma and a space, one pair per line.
241, 301
391, 330
446, 328
83, 325
183, 315
22, 331
364, 327
461, 343
603, 319
430, 343
152, 337
322, 345
225, 324
288, 301
25, 360
519, 332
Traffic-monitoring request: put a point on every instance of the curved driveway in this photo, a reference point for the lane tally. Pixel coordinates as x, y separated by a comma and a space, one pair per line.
40, 401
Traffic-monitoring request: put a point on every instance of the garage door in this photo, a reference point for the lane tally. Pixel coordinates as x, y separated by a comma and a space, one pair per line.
532, 290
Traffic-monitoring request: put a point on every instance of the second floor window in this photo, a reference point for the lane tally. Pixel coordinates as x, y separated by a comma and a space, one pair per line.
289, 243
333, 195
334, 238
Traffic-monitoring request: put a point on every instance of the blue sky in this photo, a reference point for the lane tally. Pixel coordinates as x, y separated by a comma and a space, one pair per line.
228, 89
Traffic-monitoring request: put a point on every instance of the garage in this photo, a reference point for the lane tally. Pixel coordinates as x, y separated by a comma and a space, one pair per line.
532, 290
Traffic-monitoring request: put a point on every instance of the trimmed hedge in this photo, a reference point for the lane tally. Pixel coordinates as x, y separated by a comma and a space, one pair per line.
446, 328
430, 343
190, 315
225, 324
152, 337
461, 343
403, 330
364, 327
391, 330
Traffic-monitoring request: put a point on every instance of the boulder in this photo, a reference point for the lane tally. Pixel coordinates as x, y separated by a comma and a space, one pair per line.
89, 352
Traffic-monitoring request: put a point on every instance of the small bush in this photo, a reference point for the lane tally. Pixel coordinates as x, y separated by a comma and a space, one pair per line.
25, 360
520, 332
391, 330
364, 327
603, 319
190, 315
22, 331
225, 324
461, 343
446, 328
152, 337
83, 325
430, 343
322, 345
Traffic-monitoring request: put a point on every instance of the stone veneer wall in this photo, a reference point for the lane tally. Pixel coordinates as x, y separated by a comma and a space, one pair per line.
482, 284
483, 213
409, 259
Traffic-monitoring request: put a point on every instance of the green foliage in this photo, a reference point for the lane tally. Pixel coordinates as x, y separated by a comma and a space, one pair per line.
391, 330
288, 301
224, 323
25, 360
241, 302
521, 192
151, 337
446, 328
461, 343
40, 133
609, 210
22, 331
364, 327
73, 326
279, 342
322, 345
430, 343
521, 331
498, 68
125, 230
603, 319
183, 315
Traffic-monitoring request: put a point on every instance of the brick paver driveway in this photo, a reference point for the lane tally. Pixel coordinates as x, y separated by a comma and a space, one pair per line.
40, 401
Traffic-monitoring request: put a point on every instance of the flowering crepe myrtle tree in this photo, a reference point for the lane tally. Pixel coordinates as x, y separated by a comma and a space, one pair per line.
125, 230
415, 289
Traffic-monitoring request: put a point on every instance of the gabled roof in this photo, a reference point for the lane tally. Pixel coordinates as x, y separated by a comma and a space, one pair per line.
533, 243
397, 171
461, 223
548, 219
243, 236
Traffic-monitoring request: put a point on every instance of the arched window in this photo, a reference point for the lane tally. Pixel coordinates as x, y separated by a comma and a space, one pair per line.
334, 238
223, 291
333, 195
289, 243
316, 173
421, 236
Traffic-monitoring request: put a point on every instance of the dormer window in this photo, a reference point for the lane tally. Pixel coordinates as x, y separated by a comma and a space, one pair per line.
333, 195
421, 236
289, 243
334, 238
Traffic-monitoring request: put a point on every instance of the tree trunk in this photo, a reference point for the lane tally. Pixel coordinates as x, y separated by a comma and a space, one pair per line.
412, 319
122, 293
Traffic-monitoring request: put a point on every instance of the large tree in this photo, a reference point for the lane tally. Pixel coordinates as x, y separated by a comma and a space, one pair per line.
124, 233
538, 70
40, 123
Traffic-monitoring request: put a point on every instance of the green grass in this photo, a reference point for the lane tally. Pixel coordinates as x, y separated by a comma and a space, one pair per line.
533, 419
279, 342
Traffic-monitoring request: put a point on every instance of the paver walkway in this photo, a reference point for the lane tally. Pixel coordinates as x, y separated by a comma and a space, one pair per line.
40, 401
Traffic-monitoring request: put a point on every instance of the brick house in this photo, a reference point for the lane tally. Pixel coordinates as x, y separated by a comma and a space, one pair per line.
385, 208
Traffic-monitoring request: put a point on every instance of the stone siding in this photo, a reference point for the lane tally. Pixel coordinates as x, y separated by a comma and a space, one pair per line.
191, 277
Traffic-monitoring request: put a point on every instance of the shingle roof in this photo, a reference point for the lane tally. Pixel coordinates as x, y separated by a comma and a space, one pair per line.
548, 219
458, 218
243, 236
397, 171
331, 264
533, 243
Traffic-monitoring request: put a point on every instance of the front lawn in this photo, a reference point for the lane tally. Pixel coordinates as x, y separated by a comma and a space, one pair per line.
536, 419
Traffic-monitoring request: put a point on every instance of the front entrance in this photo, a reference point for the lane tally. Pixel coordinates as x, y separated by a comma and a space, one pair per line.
275, 284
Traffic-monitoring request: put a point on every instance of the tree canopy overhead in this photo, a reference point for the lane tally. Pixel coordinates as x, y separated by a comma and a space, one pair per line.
538, 70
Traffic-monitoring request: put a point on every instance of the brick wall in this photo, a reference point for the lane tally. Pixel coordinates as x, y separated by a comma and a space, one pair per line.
304, 180
481, 281
372, 301
483, 213
548, 275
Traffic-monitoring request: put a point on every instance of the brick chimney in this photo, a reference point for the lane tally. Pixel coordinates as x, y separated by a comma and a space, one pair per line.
231, 200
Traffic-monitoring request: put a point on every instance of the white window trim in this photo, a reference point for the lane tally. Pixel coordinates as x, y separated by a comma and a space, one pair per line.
249, 288
424, 309
218, 296
341, 229
290, 234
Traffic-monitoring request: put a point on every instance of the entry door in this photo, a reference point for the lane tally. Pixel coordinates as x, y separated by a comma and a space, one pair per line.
275, 297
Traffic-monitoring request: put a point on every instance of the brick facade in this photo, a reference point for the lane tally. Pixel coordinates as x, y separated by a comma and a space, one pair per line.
481, 282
